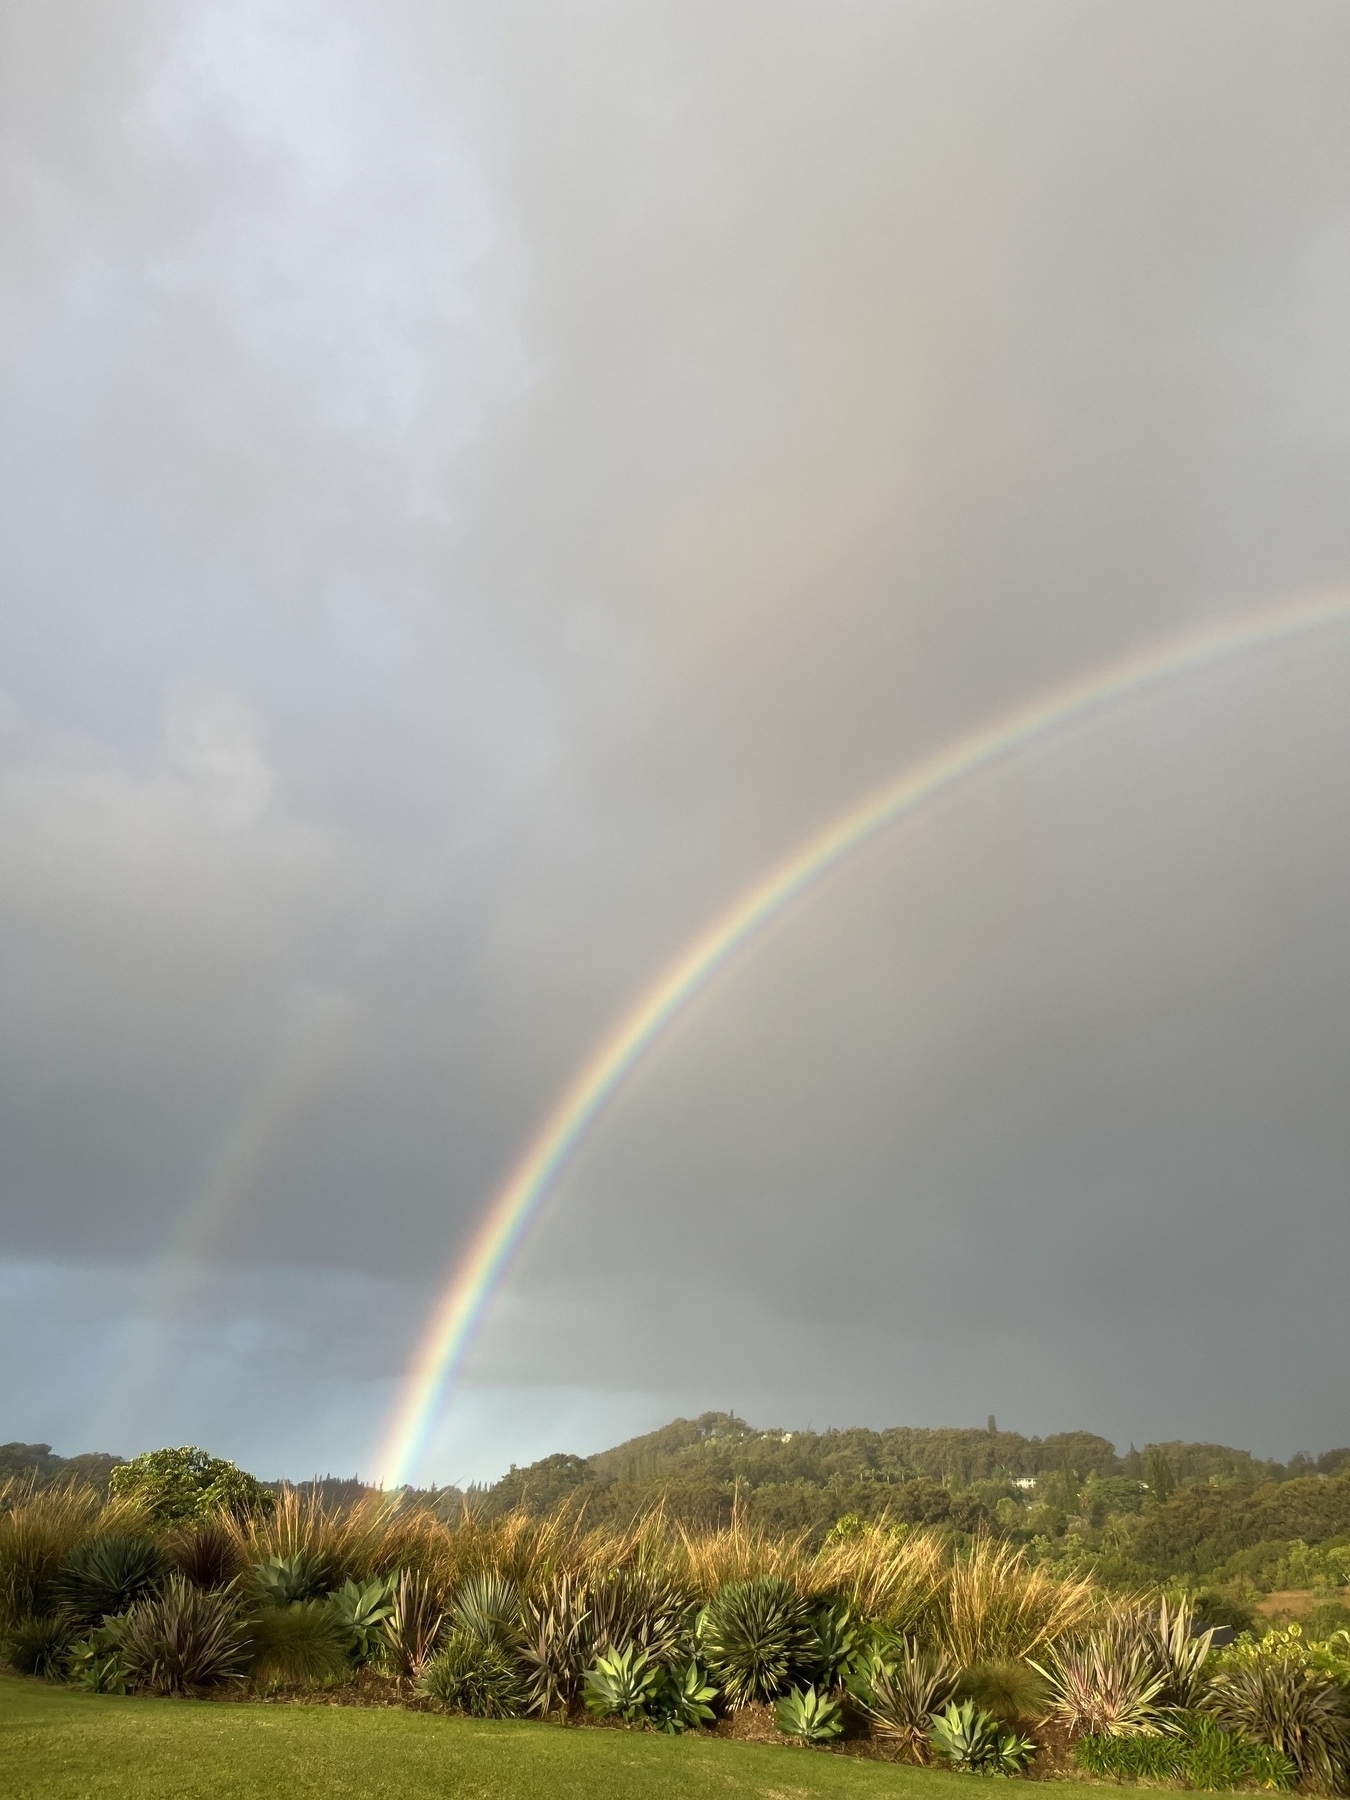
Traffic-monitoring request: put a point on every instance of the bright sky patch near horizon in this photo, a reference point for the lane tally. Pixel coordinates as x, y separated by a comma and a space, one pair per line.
480, 483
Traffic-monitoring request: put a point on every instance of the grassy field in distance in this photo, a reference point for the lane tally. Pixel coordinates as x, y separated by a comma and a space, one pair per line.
69, 1746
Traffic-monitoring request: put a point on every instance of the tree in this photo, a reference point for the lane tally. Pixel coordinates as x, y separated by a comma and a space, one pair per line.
1158, 1473
187, 1483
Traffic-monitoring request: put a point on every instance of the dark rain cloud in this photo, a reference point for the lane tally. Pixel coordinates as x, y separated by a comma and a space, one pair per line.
479, 482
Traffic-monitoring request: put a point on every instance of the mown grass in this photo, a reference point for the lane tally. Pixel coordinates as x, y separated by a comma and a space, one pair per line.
62, 1745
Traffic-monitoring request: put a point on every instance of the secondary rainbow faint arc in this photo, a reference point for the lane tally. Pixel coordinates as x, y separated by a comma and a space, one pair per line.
466, 1296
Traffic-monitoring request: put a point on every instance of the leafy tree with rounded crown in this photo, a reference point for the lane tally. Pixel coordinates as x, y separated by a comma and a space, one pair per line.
188, 1484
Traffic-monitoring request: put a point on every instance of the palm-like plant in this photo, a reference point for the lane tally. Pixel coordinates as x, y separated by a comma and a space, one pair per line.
410, 1633
555, 1645
108, 1574
476, 1675
755, 1636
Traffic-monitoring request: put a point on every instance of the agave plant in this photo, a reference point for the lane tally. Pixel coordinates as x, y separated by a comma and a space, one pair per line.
108, 1574
555, 1645
809, 1715
282, 1580
683, 1699
410, 1633
834, 1642
969, 1738
182, 1639
1107, 1684
900, 1688
303, 1642
361, 1608
477, 1675
755, 1636
622, 1684
96, 1662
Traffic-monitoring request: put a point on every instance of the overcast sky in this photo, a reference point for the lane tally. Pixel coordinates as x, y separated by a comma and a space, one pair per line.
479, 483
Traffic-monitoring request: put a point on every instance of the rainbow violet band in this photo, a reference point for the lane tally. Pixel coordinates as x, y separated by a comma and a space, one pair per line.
467, 1294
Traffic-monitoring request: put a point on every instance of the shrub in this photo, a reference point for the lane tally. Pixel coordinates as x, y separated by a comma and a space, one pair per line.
408, 1636
1181, 1648
1276, 1693
555, 1642
683, 1699
41, 1644
475, 1675
487, 1607
188, 1484
1005, 1686
755, 1636
808, 1715
622, 1684
302, 1642
901, 1687
183, 1639
971, 1739
108, 1574
282, 1580
1199, 1752
96, 1662
641, 1605
38, 1532
1107, 1684
361, 1608
204, 1552
994, 1604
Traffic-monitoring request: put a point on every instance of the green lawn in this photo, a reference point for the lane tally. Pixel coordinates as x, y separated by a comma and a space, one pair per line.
72, 1746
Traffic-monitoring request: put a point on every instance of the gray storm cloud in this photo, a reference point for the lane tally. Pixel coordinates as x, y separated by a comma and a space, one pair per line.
481, 481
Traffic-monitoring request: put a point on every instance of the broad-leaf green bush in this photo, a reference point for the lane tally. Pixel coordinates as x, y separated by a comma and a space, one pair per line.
1279, 1691
186, 1483
362, 1608
282, 1580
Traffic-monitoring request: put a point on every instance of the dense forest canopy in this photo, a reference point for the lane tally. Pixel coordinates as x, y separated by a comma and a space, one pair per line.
1203, 1512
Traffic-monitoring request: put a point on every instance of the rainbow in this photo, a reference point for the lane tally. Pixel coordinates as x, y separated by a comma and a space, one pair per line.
461, 1306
